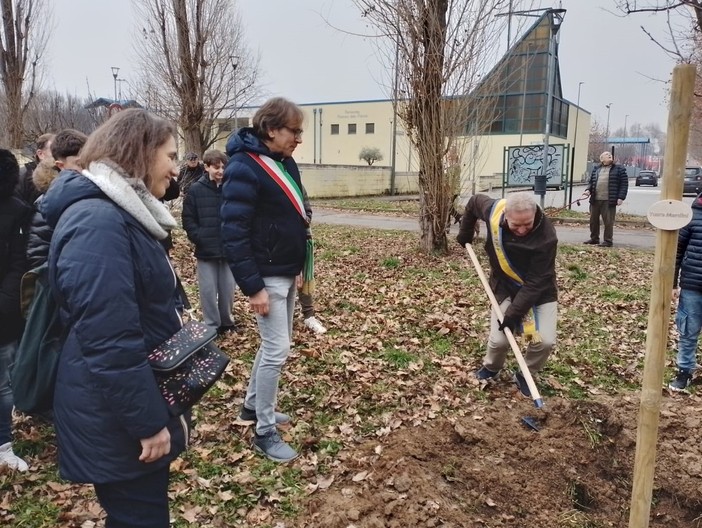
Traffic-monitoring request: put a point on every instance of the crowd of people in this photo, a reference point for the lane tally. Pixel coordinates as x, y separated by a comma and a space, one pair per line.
92, 209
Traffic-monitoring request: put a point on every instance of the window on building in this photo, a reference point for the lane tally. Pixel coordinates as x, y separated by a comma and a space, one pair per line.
335, 130
370, 128
352, 128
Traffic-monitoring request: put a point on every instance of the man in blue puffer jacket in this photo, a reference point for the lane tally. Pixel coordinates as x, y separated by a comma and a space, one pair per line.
687, 286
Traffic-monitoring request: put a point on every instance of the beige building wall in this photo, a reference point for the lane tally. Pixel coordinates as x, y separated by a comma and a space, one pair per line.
329, 141
326, 181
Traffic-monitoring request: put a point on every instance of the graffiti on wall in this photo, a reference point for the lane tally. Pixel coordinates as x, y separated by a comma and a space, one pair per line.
525, 163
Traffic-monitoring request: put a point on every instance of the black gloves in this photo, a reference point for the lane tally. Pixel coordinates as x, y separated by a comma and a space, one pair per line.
464, 238
511, 322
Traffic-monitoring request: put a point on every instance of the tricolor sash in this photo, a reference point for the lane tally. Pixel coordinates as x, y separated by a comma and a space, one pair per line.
277, 172
497, 214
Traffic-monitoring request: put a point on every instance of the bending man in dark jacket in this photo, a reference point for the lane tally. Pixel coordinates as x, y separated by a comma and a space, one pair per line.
521, 245
203, 224
607, 189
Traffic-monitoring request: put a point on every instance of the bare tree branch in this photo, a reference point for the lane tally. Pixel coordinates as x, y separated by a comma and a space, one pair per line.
195, 66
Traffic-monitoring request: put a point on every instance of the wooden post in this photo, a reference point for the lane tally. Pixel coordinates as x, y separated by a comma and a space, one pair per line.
661, 293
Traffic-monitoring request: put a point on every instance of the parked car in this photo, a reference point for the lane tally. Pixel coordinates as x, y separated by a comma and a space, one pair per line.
693, 180
647, 178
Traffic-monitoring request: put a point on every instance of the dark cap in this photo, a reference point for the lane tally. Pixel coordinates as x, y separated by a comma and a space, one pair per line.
190, 156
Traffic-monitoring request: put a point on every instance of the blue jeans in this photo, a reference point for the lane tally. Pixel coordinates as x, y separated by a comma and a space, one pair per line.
276, 333
7, 358
689, 322
138, 503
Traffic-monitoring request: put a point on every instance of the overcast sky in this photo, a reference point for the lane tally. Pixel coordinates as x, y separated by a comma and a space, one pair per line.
306, 60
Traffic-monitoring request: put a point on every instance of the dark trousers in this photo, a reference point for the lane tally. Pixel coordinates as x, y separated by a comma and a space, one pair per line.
601, 208
138, 503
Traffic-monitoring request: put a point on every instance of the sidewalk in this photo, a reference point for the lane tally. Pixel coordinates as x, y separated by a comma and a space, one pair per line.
570, 235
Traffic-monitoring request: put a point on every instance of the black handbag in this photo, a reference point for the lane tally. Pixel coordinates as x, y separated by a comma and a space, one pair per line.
186, 365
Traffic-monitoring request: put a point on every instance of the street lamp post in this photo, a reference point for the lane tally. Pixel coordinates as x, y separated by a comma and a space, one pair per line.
575, 144
626, 117
115, 73
609, 108
235, 64
120, 81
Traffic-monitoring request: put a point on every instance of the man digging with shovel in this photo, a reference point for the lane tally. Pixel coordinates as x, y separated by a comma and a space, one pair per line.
521, 246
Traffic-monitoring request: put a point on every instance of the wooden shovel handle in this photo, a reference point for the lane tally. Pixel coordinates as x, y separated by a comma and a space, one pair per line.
538, 402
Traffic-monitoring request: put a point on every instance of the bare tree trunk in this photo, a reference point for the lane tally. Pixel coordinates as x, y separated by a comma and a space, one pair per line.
22, 42
195, 66
440, 50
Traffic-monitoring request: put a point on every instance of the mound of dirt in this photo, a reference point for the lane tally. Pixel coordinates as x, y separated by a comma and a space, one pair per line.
488, 469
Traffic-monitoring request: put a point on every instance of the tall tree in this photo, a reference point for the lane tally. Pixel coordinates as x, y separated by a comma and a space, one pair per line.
682, 42
438, 50
195, 66
23, 38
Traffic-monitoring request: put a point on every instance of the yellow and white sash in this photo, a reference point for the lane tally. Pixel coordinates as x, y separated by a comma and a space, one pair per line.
529, 323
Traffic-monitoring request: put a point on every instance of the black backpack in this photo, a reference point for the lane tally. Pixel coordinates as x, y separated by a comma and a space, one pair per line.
33, 376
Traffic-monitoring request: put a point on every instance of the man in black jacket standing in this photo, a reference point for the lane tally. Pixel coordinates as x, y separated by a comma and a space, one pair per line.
203, 225
14, 220
607, 188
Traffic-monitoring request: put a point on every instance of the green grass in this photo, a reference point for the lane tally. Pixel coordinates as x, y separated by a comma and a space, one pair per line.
398, 359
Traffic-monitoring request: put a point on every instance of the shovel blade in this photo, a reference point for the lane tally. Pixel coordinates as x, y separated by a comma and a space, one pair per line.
531, 423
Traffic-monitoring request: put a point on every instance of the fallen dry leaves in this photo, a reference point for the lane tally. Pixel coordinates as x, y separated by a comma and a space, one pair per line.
406, 332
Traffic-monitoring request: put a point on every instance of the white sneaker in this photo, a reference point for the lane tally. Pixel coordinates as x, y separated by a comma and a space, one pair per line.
8, 458
313, 324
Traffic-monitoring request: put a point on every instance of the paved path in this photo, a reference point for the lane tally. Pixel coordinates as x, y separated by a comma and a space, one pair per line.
629, 237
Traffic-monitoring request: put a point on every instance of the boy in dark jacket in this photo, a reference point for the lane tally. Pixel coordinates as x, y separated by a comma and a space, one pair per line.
202, 223
14, 217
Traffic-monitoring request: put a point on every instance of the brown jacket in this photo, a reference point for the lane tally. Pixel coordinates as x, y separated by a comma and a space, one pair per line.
532, 256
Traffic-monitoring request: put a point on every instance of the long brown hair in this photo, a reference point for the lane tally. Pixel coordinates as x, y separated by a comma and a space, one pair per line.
129, 139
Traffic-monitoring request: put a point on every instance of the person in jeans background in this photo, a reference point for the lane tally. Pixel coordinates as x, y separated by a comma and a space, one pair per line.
687, 289
15, 215
607, 188
203, 225
264, 227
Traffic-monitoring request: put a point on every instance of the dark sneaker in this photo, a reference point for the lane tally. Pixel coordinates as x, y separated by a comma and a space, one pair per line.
521, 384
227, 329
682, 380
486, 374
274, 447
605, 244
592, 242
249, 415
